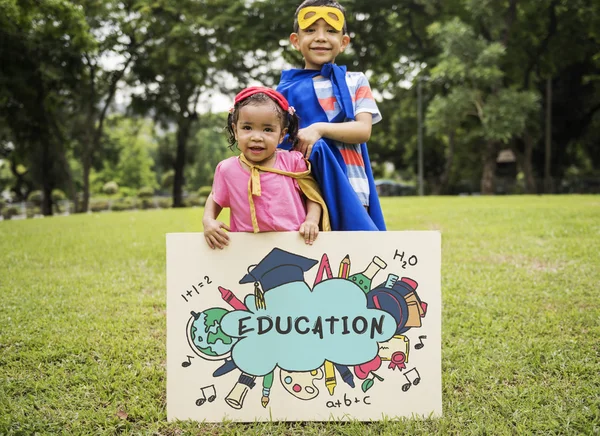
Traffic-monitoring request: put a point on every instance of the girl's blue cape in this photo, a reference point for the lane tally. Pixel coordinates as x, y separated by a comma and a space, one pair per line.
328, 167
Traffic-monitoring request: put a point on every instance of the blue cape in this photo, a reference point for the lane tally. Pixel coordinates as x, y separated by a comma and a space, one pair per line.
328, 167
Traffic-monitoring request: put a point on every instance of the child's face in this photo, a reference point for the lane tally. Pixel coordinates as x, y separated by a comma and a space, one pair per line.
319, 44
258, 132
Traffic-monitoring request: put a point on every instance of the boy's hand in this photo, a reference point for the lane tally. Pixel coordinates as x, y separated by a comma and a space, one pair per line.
307, 138
309, 231
214, 234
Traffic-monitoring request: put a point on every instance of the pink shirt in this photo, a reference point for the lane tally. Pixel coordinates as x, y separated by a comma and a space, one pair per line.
281, 206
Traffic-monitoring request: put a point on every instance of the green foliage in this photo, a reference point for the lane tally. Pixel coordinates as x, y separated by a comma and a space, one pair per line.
9, 212
475, 102
7, 179
207, 147
35, 197
58, 195
484, 57
164, 203
130, 145
167, 179
194, 201
507, 113
145, 192
187, 60
33, 211
125, 192
204, 191
465, 58
99, 205
42, 59
446, 113
110, 188
147, 203
123, 204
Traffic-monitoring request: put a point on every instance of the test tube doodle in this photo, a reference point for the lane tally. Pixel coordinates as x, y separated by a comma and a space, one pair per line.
364, 278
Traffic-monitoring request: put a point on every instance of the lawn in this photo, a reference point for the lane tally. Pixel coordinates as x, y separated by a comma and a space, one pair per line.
82, 320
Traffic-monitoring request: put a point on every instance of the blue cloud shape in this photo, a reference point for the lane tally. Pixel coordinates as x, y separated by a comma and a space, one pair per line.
300, 328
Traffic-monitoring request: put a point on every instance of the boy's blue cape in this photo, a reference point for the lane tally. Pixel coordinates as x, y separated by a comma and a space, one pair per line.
328, 167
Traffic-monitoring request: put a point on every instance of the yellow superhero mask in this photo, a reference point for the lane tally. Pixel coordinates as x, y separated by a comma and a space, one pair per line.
332, 16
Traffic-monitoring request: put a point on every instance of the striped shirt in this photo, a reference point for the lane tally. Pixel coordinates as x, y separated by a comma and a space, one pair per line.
363, 101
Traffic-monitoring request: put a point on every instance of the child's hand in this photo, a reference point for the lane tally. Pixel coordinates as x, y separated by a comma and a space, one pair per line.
309, 231
307, 138
214, 234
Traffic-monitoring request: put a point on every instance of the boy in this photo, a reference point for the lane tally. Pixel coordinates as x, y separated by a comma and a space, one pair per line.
336, 110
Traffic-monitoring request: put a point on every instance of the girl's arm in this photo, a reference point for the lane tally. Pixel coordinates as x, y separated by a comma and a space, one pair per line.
310, 227
350, 132
213, 230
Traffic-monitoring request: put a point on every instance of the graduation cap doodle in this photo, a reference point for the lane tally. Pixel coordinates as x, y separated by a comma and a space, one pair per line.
277, 268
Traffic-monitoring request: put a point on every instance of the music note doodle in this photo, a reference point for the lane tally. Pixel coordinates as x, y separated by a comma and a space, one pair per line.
208, 394
420, 344
188, 362
415, 381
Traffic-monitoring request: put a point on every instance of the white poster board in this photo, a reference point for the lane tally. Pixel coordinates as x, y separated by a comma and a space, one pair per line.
272, 329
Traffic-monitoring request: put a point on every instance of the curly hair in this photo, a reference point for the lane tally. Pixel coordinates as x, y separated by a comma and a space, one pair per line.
291, 122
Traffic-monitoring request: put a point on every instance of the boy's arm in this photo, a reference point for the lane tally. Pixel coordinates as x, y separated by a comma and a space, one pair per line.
213, 230
310, 227
350, 132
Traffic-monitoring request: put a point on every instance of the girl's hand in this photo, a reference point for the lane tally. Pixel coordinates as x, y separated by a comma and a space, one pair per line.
307, 138
215, 234
309, 231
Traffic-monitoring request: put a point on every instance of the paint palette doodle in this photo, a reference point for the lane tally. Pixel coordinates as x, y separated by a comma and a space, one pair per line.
301, 384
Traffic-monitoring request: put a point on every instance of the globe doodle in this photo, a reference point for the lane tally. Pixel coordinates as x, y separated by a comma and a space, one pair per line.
206, 337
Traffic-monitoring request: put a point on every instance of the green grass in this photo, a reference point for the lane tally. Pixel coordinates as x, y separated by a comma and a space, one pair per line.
82, 321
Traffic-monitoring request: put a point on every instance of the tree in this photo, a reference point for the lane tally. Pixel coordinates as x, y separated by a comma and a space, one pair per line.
470, 67
208, 146
130, 147
445, 116
191, 49
118, 38
554, 41
40, 51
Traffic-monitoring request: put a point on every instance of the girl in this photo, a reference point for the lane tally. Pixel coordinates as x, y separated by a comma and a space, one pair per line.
263, 186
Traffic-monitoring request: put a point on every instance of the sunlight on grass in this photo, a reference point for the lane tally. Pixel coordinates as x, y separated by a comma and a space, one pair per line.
82, 320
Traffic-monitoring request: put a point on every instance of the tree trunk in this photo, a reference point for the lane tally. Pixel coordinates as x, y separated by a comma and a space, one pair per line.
436, 187
548, 185
87, 166
46, 164
95, 125
183, 132
489, 169
526, 165
445, 177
